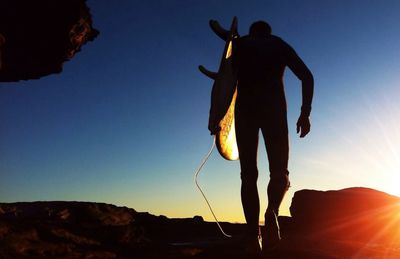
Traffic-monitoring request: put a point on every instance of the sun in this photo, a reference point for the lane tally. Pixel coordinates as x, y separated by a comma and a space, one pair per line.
380, 146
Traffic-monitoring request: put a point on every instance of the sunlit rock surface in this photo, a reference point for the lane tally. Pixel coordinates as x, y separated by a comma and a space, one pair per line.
353, 213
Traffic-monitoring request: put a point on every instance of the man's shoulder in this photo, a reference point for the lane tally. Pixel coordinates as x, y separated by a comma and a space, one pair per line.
277, 39
284, 45
273, 38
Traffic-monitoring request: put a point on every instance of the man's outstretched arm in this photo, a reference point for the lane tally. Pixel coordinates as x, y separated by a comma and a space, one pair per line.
307, 83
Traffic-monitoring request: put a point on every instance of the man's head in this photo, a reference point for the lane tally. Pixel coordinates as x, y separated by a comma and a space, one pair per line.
260, 29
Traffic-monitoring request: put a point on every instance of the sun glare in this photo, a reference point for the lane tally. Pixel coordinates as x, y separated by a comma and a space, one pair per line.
382, 144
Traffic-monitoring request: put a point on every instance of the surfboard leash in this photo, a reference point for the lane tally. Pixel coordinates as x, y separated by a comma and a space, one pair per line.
201, 191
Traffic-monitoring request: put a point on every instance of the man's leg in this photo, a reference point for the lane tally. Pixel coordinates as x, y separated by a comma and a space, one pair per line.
247, 140
277, 145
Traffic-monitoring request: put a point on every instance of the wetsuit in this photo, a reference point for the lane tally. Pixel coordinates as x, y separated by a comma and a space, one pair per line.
261, 104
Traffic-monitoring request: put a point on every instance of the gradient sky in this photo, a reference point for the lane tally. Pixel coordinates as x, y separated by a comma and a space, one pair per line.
126, 121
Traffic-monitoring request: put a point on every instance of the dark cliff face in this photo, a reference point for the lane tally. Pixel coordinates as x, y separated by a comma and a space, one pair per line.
37, 37
356, 213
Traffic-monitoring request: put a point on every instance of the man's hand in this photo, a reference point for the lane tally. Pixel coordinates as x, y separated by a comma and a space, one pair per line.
303, 125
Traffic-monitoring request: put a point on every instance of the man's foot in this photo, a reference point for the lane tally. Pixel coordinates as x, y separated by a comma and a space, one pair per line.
251, 246
271, 236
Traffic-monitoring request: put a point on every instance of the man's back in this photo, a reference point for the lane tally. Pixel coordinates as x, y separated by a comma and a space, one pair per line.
261, 63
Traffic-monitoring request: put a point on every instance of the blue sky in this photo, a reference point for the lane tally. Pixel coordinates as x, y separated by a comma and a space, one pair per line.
126, 120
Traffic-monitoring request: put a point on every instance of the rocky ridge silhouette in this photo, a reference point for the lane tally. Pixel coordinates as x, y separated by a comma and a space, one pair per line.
349, 223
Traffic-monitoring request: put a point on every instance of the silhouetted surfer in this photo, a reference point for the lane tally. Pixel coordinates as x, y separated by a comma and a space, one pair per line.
260, 59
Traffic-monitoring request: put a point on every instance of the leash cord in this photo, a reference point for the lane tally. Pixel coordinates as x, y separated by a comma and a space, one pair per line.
201, 191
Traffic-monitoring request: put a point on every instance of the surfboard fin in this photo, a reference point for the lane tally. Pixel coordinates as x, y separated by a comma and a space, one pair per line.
217, 29
221, 32
210, 74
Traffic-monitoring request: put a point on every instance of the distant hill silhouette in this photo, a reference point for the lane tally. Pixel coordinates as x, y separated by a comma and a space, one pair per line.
355, 222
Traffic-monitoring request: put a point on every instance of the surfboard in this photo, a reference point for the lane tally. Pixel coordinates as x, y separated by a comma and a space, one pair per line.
223, 95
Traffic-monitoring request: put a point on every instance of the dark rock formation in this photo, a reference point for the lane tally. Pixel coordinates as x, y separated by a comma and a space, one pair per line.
37, 37
74, 229
97, 230
360, 214
350, 223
